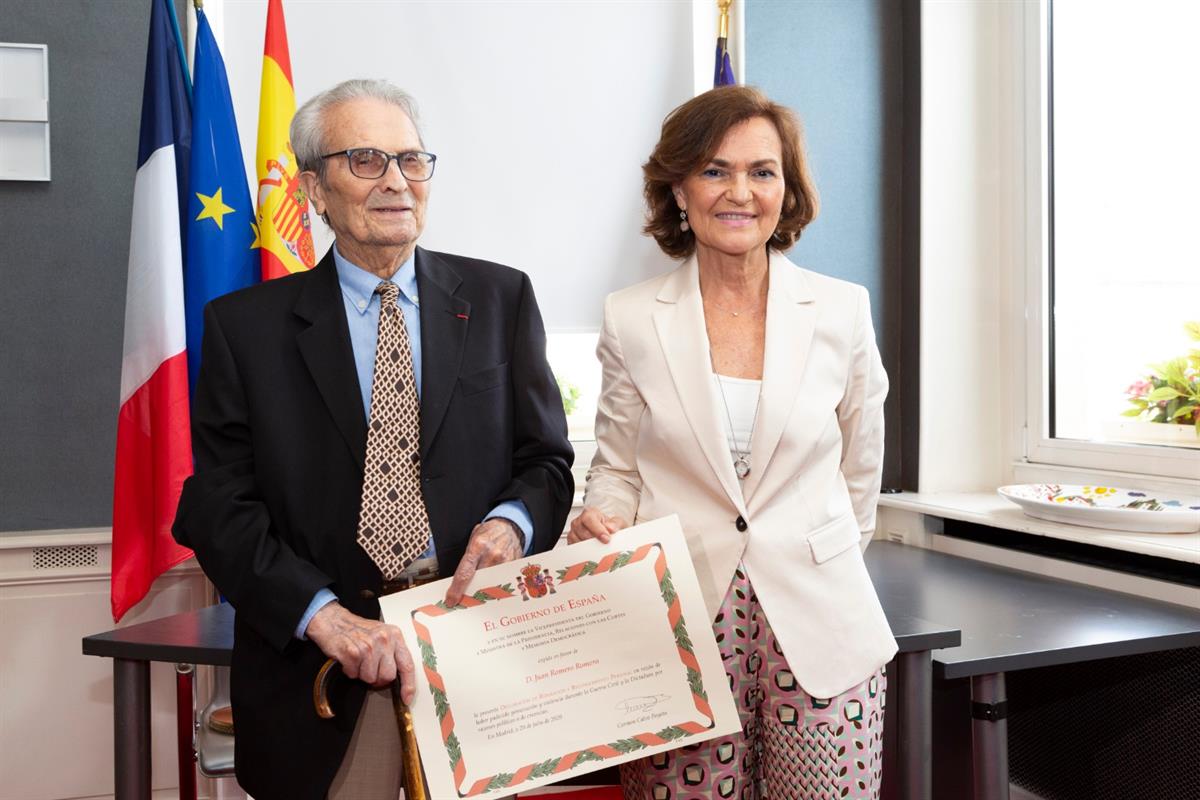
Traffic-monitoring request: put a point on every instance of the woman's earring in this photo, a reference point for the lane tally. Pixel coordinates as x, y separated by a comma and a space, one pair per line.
683, 223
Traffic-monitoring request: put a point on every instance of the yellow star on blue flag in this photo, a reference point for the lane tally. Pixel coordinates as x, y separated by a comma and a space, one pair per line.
214, 208
218, 260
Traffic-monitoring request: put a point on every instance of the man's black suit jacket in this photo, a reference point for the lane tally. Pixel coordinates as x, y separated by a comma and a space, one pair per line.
279, 436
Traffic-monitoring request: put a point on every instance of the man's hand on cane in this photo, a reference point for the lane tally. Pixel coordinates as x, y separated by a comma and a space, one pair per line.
371, 651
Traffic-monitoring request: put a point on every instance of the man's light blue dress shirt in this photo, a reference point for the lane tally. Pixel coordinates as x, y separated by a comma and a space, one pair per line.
362, 318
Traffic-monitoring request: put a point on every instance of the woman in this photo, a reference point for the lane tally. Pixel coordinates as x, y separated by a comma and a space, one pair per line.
746, 395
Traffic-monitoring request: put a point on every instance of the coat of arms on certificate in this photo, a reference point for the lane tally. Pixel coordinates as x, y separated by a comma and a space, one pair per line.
535, 581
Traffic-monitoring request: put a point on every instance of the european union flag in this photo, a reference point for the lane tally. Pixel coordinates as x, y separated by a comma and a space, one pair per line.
221, 254
723, 72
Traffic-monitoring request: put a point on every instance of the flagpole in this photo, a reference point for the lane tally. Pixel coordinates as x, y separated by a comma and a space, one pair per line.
214, 10
723, 70
182, 51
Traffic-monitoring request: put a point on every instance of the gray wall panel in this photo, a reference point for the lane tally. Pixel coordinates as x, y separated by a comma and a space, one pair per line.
63, 252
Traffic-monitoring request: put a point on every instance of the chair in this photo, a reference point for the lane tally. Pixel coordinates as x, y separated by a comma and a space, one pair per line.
199, 745
214, 750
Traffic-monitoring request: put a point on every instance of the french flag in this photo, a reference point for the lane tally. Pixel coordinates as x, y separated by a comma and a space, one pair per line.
154, 450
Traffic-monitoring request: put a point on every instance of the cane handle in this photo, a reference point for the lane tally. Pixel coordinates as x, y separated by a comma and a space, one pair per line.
321, 690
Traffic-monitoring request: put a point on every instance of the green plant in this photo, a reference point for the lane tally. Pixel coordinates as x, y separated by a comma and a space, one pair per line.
1171, 392
570, 395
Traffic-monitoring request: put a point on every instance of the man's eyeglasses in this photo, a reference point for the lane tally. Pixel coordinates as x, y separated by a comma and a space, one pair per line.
369, 163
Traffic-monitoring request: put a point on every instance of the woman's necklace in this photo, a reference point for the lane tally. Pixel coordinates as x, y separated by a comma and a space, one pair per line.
741, 460
730, 310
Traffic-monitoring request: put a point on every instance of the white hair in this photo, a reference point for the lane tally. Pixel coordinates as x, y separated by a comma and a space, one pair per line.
308, 125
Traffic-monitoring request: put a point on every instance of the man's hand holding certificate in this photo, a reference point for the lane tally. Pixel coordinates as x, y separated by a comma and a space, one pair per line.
562, 663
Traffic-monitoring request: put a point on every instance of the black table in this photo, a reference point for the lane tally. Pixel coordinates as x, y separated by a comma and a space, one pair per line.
1014, 620
206, 637
916, 638
194, 637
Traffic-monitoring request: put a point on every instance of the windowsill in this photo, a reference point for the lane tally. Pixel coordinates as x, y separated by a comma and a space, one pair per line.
988, 508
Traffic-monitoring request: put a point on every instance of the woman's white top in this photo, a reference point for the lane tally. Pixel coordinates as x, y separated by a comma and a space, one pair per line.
741, 394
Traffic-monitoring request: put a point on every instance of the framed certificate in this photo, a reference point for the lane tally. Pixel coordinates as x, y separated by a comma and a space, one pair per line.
562, 663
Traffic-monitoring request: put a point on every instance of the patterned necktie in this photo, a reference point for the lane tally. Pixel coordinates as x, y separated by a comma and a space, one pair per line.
393, 526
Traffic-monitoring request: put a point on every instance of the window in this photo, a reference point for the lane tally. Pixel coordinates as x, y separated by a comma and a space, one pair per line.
572, 357
1113, 199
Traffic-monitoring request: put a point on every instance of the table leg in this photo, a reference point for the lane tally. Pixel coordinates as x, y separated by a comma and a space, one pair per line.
915, 729
989, 731
131, 729
185, 730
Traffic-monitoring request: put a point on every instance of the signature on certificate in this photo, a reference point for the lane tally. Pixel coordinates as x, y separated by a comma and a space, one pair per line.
634, 704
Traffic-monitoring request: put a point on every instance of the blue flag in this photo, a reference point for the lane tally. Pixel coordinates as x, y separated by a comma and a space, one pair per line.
723, 70
221, 242
166, 101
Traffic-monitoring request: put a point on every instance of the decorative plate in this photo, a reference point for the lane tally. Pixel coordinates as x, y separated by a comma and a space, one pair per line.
1106, 507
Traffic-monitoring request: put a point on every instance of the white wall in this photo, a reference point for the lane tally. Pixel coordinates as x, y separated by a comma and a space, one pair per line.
541, 115
970, 248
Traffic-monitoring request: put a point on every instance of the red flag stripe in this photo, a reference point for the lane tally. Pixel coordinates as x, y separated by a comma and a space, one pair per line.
154, 456
272, 266
276, 44
283, 214
292, 232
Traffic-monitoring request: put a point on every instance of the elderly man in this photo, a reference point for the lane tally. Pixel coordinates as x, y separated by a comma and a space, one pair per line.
381, 420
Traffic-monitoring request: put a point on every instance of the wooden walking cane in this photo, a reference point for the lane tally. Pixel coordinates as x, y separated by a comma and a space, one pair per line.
413, 780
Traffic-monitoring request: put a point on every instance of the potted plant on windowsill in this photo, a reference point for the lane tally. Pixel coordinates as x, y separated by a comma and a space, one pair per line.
579, 425
1166, 402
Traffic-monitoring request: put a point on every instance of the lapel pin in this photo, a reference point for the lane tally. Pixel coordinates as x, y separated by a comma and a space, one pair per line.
462, 316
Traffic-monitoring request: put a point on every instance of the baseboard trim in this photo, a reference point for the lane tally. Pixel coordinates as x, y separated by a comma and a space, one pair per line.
29, 558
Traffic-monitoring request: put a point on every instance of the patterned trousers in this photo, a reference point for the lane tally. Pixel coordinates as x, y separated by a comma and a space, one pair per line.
791, 747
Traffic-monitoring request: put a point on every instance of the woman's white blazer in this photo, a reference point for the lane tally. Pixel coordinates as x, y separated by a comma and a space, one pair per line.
800, 521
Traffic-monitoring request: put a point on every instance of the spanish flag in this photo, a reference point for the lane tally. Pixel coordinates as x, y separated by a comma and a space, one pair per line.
284, 231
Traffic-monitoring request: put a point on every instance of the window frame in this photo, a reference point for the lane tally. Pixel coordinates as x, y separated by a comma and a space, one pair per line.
1035, 447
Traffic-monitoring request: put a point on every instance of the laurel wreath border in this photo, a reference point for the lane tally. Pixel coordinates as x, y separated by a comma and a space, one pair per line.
600, 752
